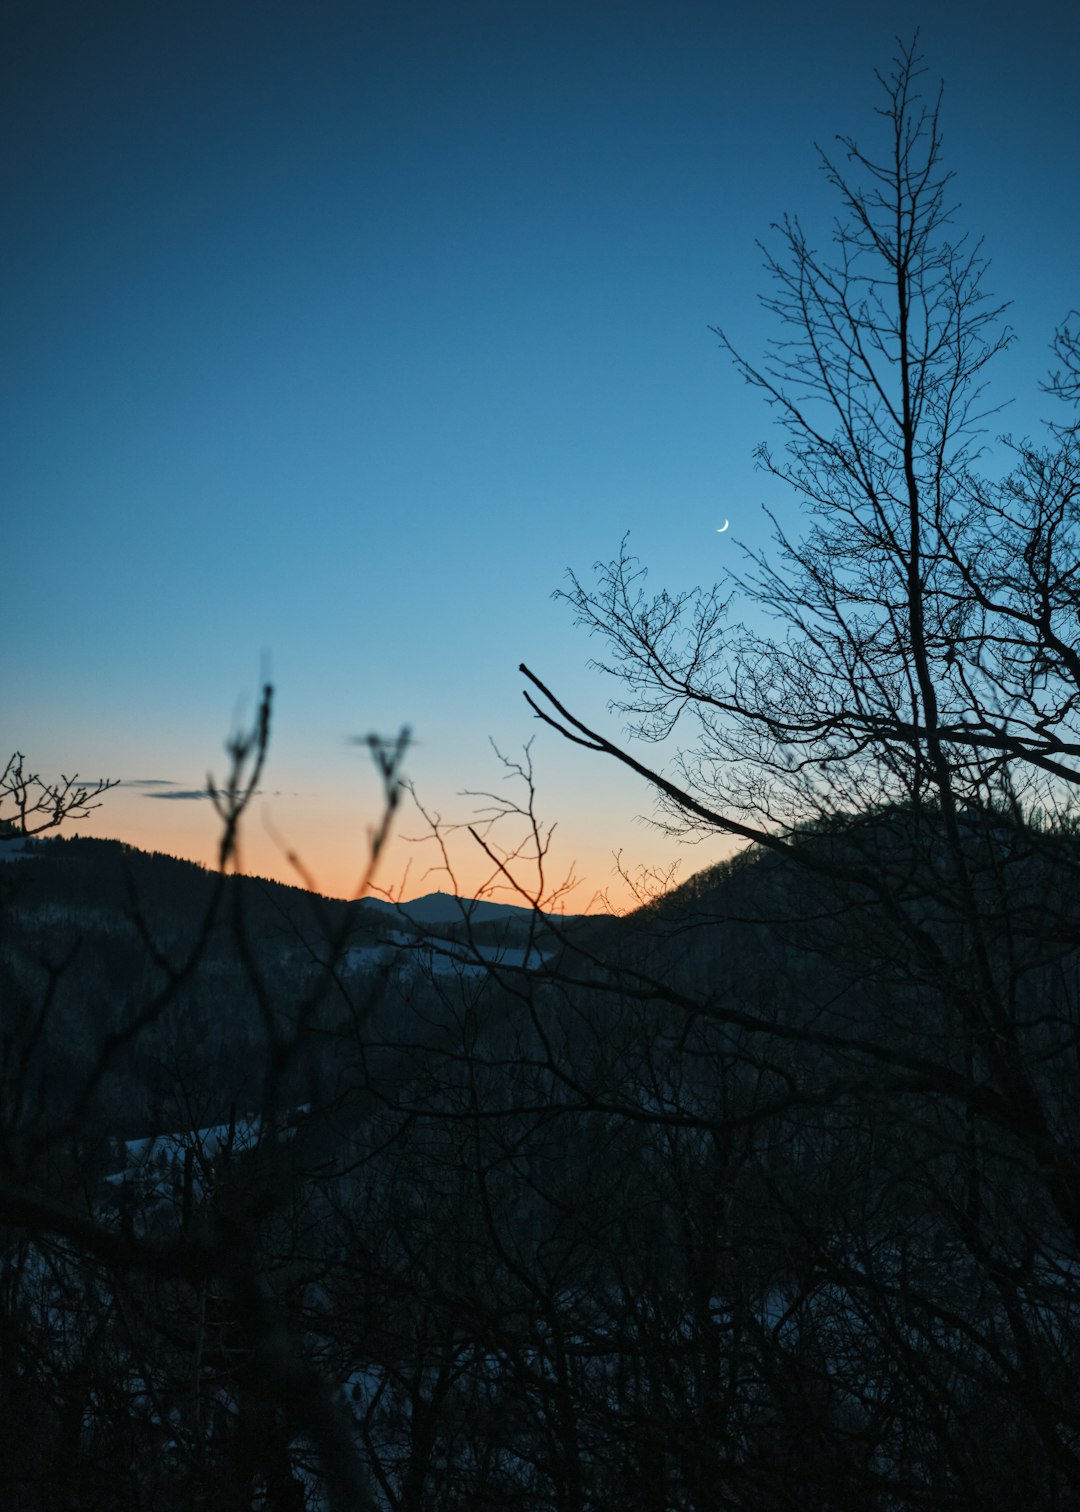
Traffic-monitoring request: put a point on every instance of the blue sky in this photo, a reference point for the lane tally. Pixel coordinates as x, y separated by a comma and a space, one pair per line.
335, 333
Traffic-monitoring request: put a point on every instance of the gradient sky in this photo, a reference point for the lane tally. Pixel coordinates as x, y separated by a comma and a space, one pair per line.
335, 333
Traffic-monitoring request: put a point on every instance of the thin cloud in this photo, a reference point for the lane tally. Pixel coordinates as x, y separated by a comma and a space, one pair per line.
184, 793
188, 794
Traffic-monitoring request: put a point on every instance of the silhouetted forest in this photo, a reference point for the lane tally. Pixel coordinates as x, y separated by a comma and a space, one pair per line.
704, 1211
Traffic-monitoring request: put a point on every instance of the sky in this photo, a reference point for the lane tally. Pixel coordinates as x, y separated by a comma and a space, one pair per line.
335, 334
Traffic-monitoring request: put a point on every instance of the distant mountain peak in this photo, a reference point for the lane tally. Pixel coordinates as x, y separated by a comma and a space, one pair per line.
447, 908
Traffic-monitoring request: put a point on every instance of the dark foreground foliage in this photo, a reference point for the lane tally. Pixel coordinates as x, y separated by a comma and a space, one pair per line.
719, 1208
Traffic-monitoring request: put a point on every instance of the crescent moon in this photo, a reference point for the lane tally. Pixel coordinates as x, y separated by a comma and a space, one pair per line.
721, 528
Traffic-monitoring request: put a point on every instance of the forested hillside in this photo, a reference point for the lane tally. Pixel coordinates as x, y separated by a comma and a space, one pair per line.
705, 1211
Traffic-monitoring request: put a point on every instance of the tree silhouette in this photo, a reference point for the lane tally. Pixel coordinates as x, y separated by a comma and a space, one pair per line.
902, 758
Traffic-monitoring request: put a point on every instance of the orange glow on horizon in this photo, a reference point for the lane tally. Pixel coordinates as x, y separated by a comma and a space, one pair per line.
576, 880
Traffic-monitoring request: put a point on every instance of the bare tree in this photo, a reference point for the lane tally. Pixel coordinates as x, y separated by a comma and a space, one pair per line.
930, 613
31, 804
907, 745
155, 1328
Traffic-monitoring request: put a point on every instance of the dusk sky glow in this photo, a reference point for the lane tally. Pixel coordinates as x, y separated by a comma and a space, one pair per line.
336, 333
